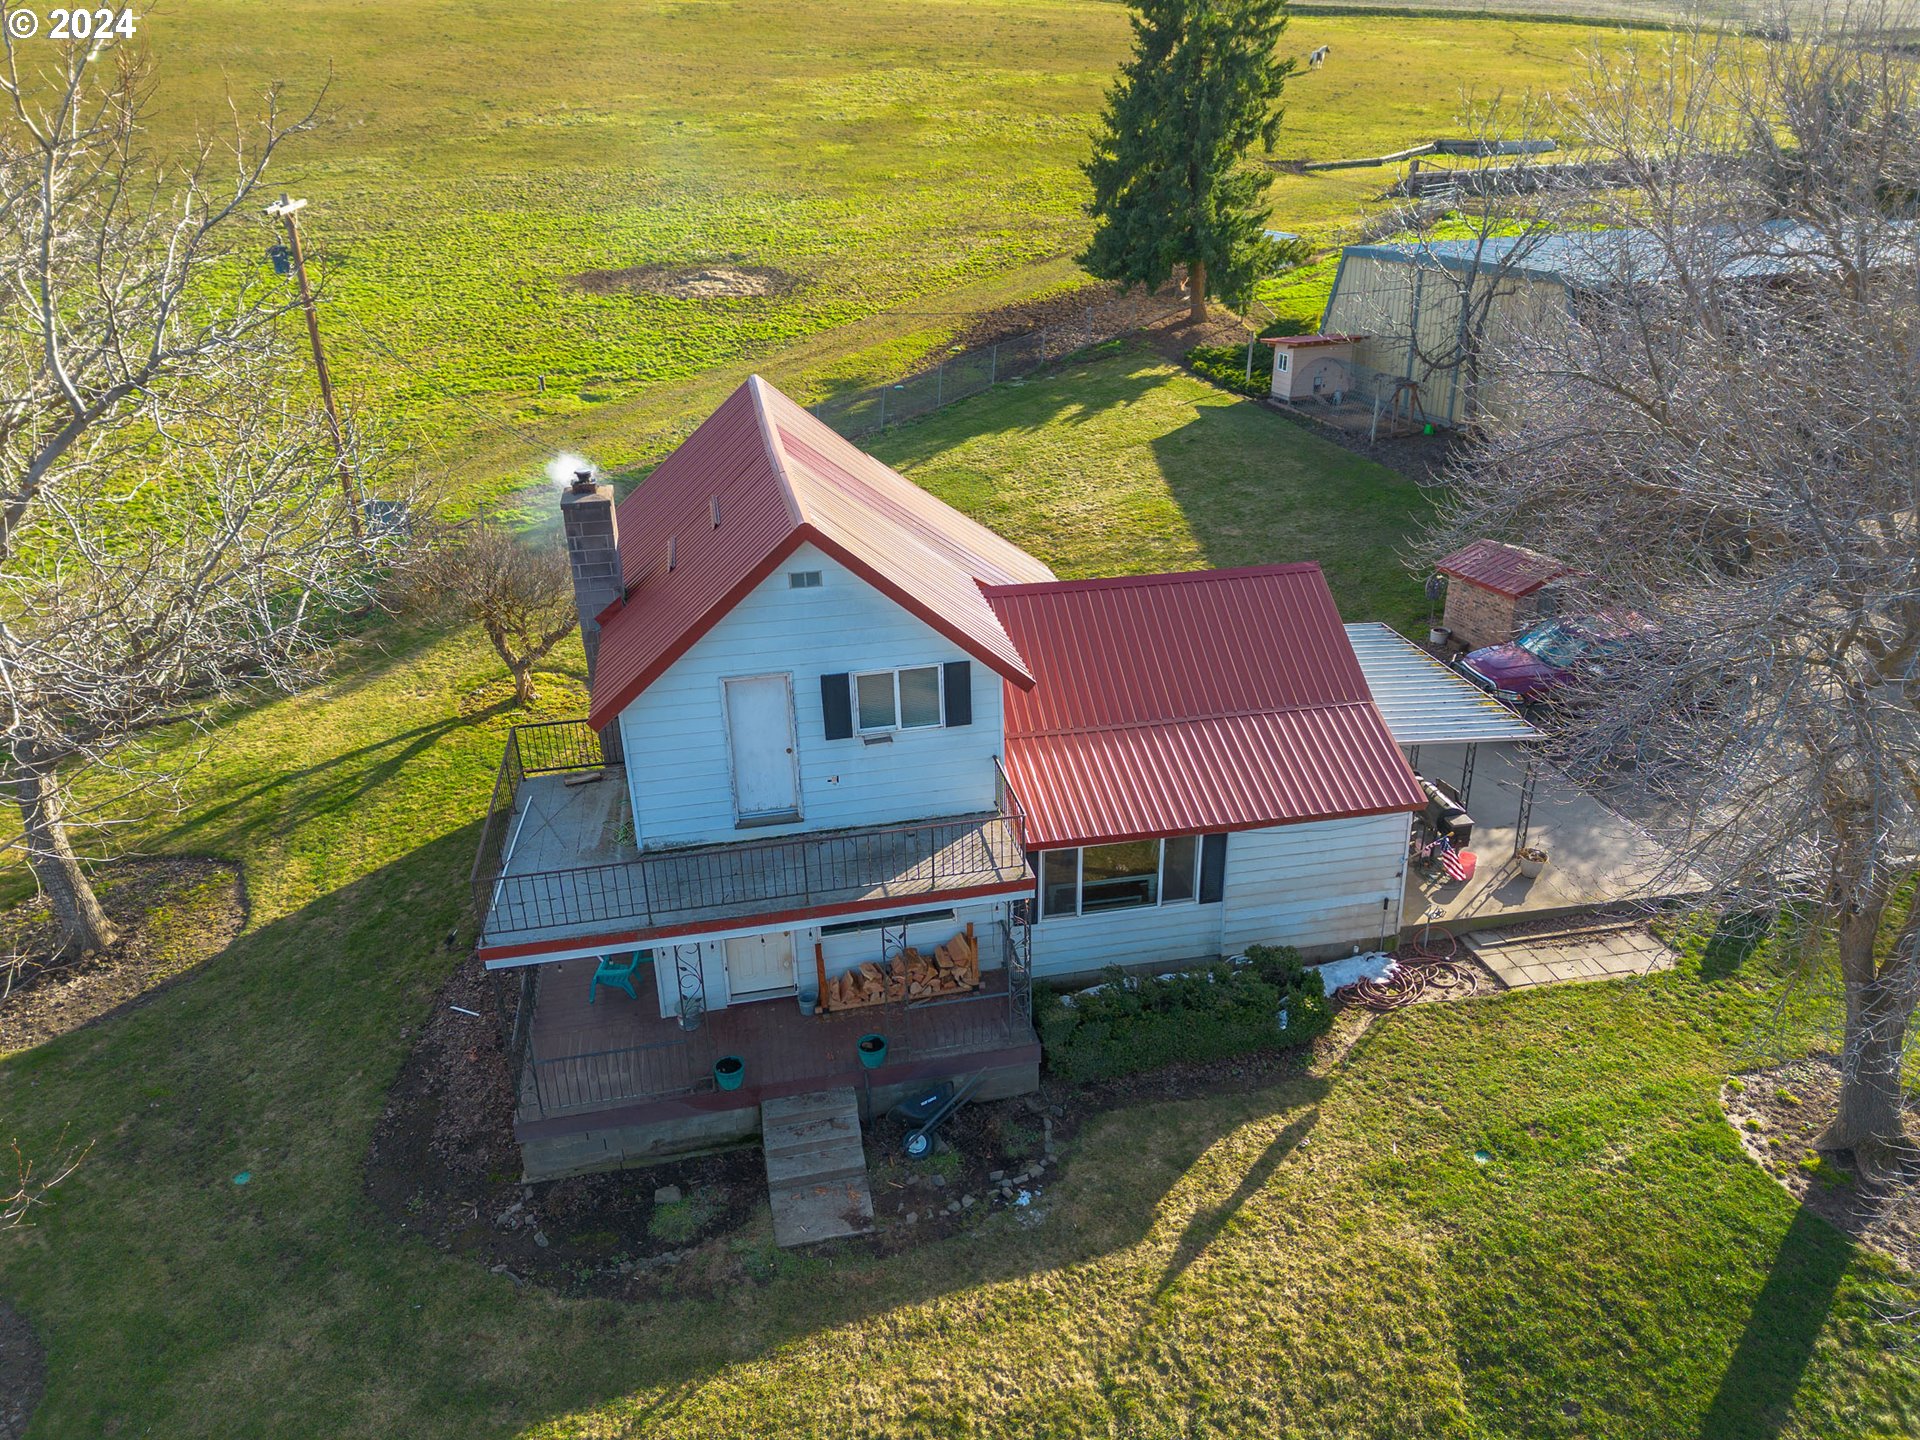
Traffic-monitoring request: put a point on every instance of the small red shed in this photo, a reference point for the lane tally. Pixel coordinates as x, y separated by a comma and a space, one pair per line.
1493, 590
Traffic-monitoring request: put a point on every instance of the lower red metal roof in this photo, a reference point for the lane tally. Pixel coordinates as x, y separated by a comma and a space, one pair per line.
1189, 703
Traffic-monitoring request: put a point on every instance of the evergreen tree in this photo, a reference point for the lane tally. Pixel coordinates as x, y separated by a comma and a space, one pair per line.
1202, 85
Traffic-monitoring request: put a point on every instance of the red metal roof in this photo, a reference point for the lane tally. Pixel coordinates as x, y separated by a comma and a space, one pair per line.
1188, 703
758, 479
1509, 570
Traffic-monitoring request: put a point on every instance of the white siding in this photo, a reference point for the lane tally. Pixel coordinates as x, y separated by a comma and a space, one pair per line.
1076, 944
675, 738
1316, 885
841, 953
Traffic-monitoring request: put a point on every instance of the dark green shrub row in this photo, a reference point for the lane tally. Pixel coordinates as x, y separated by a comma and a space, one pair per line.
1226, 366
1140, 1022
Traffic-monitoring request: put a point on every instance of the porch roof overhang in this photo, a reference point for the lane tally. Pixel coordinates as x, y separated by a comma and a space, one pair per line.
1424, 702
599, 942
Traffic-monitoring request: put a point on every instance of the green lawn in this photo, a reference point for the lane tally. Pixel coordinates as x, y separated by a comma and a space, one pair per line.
1320, 1257
908, 163
1122, 463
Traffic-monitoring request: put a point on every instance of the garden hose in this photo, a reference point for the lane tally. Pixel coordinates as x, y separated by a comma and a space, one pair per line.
1425, 969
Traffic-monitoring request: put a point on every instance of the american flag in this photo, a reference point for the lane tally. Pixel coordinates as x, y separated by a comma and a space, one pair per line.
1459, 864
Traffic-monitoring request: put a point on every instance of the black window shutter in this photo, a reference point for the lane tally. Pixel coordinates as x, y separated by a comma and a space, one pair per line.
836, 705
959, 692
1213, 869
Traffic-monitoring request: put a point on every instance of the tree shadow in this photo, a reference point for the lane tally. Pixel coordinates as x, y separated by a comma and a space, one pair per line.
1207, 1225
1755, 1398
1736, 936
306, 797
1074, 391
1257, 489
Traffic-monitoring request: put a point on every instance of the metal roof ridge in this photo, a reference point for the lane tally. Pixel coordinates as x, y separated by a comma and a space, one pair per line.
1163, 577
757, 391
1167, 721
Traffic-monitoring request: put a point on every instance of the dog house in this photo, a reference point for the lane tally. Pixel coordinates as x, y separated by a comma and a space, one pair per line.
1494, 591
1312, 367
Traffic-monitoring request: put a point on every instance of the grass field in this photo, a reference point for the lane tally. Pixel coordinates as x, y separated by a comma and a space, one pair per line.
905, 163
1321, 1257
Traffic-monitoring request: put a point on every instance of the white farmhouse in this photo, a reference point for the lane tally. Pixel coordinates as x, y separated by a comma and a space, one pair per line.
858, 767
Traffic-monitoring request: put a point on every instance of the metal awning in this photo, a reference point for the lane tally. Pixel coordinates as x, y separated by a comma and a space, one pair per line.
1422, 701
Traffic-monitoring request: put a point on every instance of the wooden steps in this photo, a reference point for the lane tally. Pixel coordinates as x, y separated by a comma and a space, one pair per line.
816, 1166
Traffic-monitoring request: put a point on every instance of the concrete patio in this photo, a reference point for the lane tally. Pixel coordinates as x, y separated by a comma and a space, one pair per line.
1596, 857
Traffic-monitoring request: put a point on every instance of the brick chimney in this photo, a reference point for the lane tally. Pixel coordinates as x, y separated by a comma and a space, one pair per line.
593, 553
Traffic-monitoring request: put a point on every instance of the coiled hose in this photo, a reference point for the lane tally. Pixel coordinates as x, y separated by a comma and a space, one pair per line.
1427, 970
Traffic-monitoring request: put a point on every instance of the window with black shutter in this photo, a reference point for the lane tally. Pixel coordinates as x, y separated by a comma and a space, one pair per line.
959, 692
836, 706
1213, 869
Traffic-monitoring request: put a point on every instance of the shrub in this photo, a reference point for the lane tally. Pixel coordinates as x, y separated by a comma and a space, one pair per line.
1134, 1022
1226, 366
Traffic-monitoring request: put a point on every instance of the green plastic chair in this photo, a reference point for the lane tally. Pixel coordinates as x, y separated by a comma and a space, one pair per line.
620, 977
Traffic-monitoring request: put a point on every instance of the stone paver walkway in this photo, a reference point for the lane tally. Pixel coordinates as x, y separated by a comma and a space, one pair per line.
1518, 960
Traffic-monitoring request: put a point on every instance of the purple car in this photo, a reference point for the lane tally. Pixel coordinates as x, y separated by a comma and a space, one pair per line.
1545, 658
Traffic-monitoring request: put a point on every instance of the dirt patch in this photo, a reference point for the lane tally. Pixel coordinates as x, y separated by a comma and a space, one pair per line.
444, 1166
171, 914
1098, 310
23, 1372
1779, 1112
725, 279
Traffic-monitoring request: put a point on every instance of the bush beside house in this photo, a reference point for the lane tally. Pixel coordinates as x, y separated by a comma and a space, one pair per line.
1226, 366
1270, 1001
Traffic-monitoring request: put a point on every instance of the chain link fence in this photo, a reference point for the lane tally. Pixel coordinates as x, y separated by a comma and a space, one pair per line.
971, 372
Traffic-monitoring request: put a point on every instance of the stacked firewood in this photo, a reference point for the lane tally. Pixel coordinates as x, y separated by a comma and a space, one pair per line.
950, 970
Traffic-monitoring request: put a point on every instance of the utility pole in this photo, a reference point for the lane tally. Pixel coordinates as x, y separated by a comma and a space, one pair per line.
286, 209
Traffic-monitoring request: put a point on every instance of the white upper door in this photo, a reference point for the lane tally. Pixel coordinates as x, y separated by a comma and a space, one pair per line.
760, 734
760, 965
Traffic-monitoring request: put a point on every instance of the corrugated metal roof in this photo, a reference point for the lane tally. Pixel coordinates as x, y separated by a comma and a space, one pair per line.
1510, 570
759, 478
1591, 259
1422, 701
1187, 703
1302, 342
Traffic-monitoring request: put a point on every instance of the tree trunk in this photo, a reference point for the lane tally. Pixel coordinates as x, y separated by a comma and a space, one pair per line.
522, 683
1880, 1001
1197, 291
83, 924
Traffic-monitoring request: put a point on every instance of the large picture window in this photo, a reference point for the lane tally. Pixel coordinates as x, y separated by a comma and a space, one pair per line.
1131, 875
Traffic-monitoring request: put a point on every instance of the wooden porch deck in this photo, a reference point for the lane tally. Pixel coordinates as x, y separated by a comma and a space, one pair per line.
616, 1058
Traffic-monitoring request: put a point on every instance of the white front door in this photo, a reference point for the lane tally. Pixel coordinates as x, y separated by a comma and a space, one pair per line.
760, 733
760, 965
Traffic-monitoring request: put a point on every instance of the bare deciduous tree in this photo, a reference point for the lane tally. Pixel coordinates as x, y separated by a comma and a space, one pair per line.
171, 527
521, 595
1722, 430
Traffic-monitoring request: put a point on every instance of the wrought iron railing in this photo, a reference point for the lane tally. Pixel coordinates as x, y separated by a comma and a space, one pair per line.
794, 872
540, 749
678, 1064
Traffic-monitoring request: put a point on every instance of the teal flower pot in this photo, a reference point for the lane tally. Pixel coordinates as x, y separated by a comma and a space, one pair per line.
873, 1051
729, 1071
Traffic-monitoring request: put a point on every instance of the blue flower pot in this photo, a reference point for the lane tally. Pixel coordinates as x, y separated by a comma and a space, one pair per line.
872, 1050
729, 1072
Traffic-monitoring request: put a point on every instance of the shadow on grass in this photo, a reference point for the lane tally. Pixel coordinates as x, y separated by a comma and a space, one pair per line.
1072, 392
1755, 1398
395, 750
1207, 1225
1257, 489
